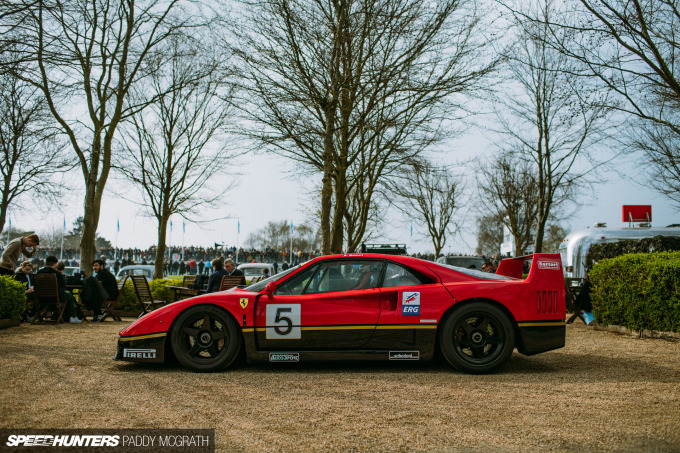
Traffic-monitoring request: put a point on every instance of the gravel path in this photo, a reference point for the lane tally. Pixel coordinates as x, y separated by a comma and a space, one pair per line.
602, 392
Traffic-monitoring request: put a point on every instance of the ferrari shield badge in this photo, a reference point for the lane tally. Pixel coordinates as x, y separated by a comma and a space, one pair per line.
244, 302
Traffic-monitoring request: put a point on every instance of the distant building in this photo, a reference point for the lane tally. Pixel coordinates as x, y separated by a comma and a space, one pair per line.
508, 244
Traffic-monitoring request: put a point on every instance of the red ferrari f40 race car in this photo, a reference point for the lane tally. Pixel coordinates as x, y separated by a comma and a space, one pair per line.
363, 307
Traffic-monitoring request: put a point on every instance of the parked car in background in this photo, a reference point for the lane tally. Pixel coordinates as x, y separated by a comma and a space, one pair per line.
136, 269
71, 270
252, 270
462, 261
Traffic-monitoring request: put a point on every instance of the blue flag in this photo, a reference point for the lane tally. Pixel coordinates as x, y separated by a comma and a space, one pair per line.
238, 227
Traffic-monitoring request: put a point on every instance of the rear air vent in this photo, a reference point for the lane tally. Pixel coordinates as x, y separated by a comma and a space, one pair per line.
546, 302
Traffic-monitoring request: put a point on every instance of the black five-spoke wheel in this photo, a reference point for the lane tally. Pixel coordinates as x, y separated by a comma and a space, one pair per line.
477, 338
205, 338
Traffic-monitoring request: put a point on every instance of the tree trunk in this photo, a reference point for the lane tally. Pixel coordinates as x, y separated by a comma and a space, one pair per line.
340, 200
90, 221
327, 182
160, 250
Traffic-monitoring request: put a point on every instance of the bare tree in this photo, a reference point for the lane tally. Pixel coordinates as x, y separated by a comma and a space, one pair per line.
276, 235
508, 191
85, 56
29, 152
631, 47
172, 146
431, 195
549, 119
351, 87
489, 234
555, 233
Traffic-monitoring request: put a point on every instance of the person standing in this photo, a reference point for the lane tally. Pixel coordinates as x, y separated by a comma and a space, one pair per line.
16, 247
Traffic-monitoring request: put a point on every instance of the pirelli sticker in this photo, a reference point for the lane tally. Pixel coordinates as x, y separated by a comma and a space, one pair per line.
243, 301
130, 353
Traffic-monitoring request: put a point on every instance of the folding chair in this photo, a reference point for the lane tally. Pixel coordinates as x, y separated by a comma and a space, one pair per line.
109, 306
188, 283
46, 299
144, 295
231, 281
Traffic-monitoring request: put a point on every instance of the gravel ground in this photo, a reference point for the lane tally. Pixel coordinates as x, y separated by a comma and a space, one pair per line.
602, 392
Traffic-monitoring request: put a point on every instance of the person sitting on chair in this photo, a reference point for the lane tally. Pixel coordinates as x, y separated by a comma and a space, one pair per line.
109, 283
216, 277
23, 275
66, 297
230, 267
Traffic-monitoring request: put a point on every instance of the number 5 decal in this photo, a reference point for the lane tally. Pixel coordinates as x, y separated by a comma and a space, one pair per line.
283, 322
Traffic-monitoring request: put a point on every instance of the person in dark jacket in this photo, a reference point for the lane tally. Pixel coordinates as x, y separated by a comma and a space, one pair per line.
216, 277
230, 266
70, 309
25, 276
108, 283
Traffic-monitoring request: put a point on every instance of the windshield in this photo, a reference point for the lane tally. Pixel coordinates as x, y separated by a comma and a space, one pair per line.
249, 271
259, 286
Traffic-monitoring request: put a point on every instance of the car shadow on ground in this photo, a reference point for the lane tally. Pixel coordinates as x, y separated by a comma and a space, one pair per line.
572, 366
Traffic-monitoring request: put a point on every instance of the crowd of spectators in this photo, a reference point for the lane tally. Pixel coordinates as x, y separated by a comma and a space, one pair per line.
190, 260
178, 260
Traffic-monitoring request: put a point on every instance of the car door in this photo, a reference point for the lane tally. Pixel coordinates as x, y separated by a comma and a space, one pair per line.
411, 304
333, 305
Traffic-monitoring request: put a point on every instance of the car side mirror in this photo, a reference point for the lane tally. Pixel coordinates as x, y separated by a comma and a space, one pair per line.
269, 289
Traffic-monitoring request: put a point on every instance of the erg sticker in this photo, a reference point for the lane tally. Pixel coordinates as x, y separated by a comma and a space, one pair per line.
410, 303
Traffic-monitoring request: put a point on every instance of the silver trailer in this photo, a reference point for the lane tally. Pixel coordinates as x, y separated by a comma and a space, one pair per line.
575, 246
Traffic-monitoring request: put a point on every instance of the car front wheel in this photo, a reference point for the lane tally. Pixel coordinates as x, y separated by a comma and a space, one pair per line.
205, 339
477, 338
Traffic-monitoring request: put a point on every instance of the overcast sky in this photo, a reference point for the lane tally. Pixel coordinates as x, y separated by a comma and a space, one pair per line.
267, 191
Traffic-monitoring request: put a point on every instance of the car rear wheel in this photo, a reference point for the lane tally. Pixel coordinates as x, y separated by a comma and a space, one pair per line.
205, 339
477, 338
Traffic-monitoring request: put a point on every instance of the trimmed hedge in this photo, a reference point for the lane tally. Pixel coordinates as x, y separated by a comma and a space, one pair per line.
638, 291
599, 252
128, 299
12, 298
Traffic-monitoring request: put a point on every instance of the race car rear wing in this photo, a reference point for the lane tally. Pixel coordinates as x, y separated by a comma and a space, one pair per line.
514, 267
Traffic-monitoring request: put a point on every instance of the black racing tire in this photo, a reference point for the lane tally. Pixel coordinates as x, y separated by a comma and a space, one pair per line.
477, 338
205, 339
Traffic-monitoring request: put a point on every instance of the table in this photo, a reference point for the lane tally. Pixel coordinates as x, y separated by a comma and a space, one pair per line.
178, 291
571, 293
76, 295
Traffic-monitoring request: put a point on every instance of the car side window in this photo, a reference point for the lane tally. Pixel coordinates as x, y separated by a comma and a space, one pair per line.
297, 284
345, 276
396, 275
